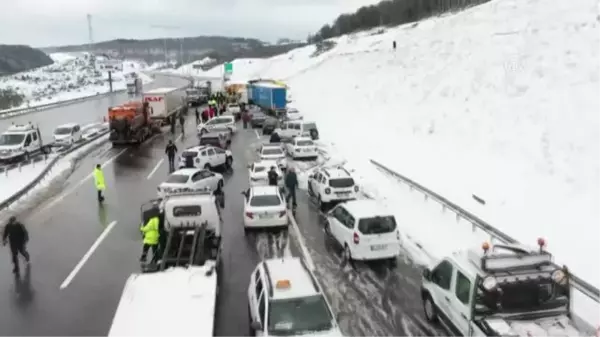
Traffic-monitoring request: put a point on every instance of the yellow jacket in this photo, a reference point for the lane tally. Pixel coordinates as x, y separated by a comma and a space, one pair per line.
99, 179
150, 231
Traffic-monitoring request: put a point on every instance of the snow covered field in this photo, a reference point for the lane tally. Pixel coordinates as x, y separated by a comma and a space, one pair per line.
70, 77
499, 101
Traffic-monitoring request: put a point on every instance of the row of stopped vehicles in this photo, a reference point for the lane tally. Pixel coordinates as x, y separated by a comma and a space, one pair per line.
180, 288
135, 121
501, 290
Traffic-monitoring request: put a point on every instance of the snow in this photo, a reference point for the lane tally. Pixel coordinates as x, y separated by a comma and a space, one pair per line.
499, 101
243, 70
70, 77
14, 180
188, 290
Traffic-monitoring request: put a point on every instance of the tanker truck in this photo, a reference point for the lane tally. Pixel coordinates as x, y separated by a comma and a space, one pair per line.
130, 123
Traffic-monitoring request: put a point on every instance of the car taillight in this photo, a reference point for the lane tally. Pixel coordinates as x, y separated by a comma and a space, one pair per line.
356, 238
250, 215
327, 190
355, 188
282, 214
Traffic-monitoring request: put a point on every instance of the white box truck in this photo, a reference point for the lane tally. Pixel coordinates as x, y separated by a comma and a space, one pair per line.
164, 102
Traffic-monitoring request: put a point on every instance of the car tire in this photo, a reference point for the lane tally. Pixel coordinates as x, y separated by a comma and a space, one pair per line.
347, 253
207, 167
203, 131
310, 190
26, 156
430, 309
320, 203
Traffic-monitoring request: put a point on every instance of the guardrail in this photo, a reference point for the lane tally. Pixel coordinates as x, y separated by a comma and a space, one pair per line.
582, 286
22, 111
6, 203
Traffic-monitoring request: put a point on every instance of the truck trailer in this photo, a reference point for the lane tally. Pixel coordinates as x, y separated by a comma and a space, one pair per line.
268, 96
130, 123
164, 103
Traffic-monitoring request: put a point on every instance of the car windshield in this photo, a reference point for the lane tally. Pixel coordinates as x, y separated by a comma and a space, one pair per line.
299, 316
377, 225
189, 154
218, 121
341, 182
178, 179
258, 169
305, 143
62, 131
265, 200
272, 152
209, 141
11, 139
310, 126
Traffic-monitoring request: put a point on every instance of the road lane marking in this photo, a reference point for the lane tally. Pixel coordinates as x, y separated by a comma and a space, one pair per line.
178, 138
256, 132
61, 196
309, 262
155, 168
87, 255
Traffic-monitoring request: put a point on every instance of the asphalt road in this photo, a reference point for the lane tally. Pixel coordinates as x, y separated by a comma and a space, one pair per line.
373, 300
89, 111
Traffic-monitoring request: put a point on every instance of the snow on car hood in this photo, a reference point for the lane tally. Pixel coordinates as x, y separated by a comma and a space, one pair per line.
6, 148
560, 326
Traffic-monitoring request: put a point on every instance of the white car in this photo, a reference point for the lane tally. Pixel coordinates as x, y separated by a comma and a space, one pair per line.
190, 179
93, 130
264, 206
207, 157
286, 299
220, 123
302, 148
67, 134
293, 114
298, 128
258, 172
331, 185
273, 152
234, 109
364, 230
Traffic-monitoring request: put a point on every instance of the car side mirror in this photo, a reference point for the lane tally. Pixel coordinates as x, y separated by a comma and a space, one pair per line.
256, 326
427, 274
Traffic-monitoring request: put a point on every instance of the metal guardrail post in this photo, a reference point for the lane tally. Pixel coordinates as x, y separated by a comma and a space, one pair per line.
579, 284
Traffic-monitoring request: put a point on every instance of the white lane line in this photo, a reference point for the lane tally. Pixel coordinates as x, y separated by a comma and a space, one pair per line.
87, 255
61, 196
155, 168
256, 132
179, 138
309, 262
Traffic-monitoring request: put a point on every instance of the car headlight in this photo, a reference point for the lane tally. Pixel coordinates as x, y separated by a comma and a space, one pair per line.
489, 283
559, 277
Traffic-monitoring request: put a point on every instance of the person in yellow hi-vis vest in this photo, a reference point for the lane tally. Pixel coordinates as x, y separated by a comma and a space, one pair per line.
151, 238
99, 181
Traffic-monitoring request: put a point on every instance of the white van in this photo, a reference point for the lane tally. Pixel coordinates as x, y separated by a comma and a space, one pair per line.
19, 142
67, 134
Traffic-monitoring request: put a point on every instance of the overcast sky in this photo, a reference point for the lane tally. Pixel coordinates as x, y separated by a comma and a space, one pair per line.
42, 23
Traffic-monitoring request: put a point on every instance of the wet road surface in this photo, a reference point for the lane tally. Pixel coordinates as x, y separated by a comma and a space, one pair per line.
373, 300
89, 111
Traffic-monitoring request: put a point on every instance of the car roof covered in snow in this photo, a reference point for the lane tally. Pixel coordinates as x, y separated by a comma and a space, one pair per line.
336, 172
299, 139
264, 190
68, 125
189, 290
291, 270
186, 171
198, 148
365, 208
159, 91
267, 163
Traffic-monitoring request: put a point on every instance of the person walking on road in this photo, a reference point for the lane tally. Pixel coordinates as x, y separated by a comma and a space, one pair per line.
246, 118
197, 116
291, 183
151, 234
171, 150
99, 181
182, 122
17, 236
205, 114
273, 176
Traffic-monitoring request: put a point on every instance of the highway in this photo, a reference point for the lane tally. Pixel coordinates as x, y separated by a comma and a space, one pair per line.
66, 294
89, 111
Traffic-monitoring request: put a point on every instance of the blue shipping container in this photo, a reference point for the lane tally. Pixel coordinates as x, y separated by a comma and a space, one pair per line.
269, 97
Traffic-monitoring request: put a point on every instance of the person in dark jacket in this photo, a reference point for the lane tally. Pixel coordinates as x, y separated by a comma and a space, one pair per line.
197, 116
246, 118
291, 183
274, 138
171, 150
273, 176
17, 236
182, 122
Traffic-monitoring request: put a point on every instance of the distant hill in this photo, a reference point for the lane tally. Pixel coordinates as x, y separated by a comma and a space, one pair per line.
221, 48
17, 58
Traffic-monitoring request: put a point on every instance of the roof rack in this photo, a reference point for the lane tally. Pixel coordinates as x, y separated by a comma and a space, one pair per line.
516, 257
21, 127
189, 247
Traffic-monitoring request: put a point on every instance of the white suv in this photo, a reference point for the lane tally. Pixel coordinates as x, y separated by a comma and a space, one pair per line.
500, 290
285, 299
332, 184
364, 230
220, 123
298, 128
206, 157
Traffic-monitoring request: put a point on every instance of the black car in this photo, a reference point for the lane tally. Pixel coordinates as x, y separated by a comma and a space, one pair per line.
258, 119
270, 124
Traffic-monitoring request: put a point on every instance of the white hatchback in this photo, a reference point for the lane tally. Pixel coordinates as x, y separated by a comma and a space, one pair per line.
302, 147
189, 179
264, 206
276, 153
364, 230
259, 172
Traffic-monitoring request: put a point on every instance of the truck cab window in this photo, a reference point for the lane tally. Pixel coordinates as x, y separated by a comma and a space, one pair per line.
463, 288
442, 275
28, 140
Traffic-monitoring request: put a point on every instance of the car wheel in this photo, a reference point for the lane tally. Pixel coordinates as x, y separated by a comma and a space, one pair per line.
310, 190
347, 253
228, 162
320, 203
207, 166
26, 156
430, 309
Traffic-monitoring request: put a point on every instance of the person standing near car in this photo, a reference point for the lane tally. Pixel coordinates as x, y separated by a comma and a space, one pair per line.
17, 236
197, 116
99, 181
273, 176
171, 150
246, 118
182, 122
291, 183
151, 234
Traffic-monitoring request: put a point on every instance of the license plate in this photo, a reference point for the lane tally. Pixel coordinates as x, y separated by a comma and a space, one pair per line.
343, 193
266, 216
378, 247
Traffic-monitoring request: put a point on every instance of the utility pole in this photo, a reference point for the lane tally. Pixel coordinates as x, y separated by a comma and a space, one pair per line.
91, 41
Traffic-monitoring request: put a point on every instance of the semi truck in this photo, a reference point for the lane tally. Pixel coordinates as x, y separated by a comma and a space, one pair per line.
164, 103
130, 123
268, 96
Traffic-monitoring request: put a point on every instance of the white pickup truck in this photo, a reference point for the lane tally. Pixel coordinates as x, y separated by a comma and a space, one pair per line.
20, 142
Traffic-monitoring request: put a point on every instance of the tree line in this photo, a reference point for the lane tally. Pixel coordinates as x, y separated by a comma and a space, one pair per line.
389, 13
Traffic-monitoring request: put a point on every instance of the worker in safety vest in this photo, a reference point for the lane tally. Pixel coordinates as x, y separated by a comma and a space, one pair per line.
151, 238
99, 181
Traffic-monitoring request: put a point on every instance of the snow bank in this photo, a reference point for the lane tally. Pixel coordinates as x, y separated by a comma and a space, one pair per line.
14, 180
62, 57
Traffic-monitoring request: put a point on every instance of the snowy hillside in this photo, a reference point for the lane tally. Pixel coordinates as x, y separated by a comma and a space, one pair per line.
71, 76
499, 101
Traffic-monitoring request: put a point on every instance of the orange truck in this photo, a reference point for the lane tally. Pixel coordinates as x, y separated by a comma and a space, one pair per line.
130, 123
